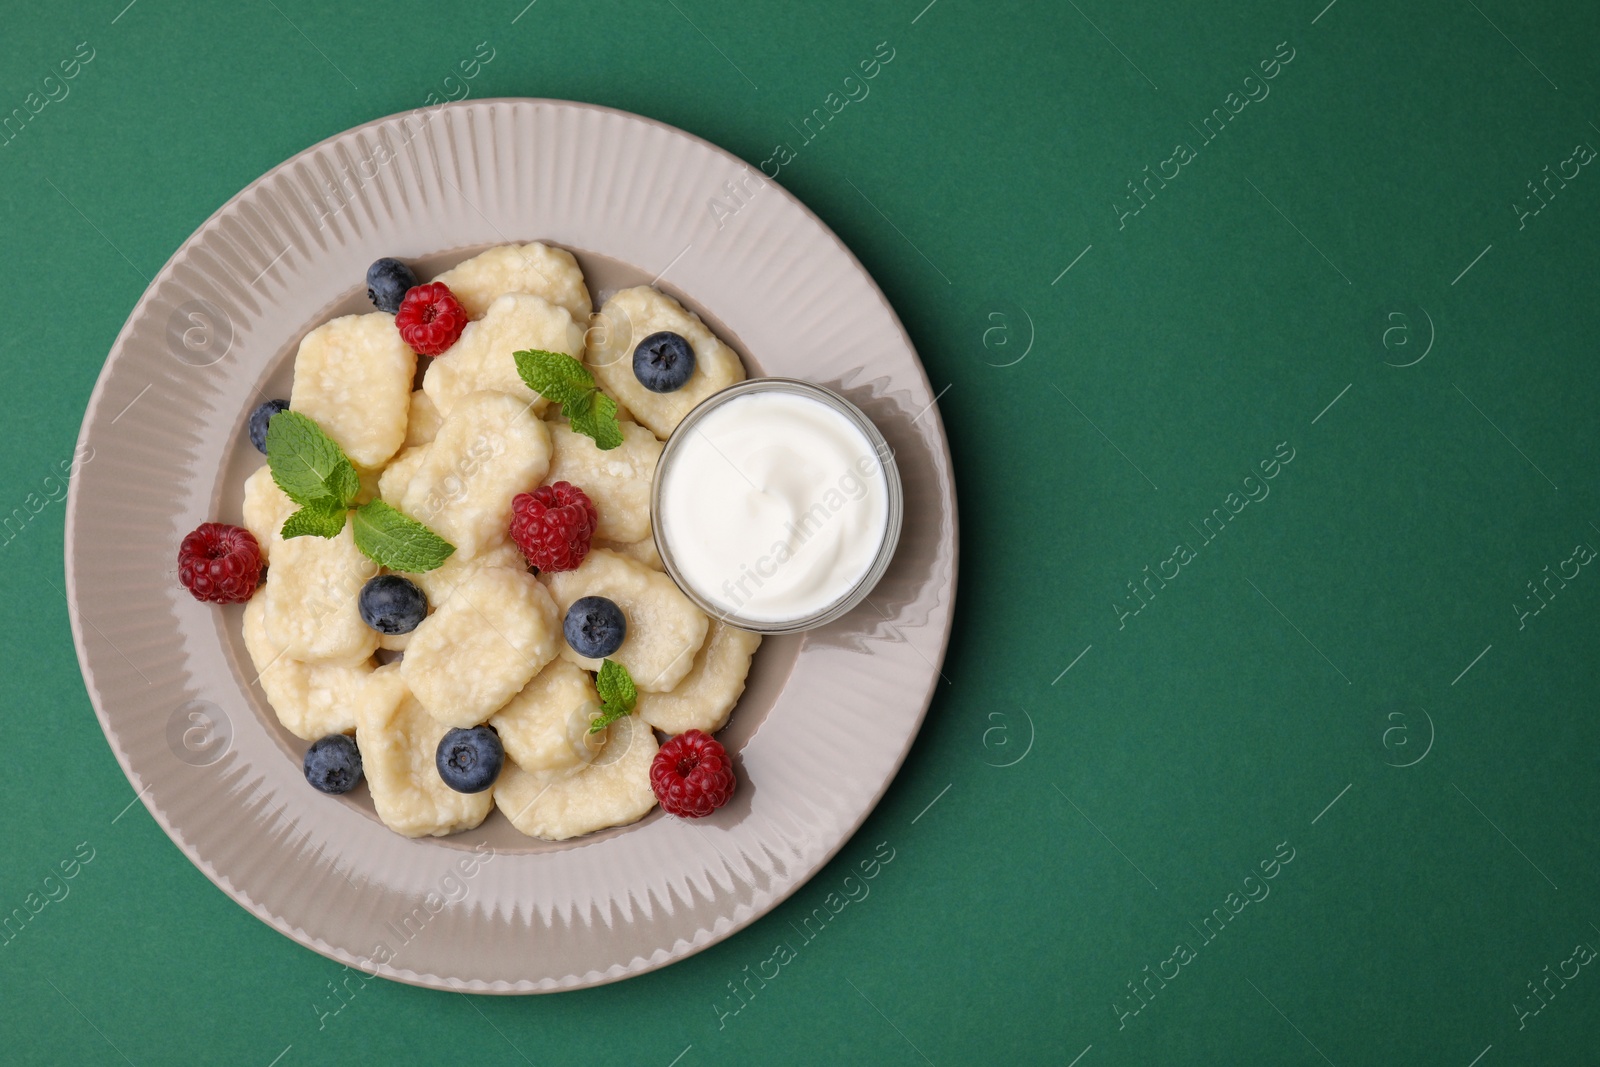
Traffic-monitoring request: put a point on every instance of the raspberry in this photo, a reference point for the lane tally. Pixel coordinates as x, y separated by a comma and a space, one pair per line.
553, 526
220, 563
692, 775
430, 318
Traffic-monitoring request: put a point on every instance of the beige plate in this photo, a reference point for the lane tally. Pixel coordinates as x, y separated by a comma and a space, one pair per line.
828, 716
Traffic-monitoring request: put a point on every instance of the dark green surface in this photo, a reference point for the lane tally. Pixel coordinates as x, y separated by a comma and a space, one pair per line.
1183, 748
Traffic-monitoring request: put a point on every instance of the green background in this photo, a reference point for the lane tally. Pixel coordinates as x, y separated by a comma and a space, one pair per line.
1083, 821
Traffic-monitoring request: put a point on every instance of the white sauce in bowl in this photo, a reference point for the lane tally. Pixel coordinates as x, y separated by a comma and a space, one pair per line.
774, 506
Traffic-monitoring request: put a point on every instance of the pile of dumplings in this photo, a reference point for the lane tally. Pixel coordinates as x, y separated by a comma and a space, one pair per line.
453, 454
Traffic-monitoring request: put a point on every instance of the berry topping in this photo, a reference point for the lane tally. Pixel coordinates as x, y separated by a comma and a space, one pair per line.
259, 419
692, 775
553, 526
220, 563
594, 627
663, 362
333, 764
388, 281
391, 604
470, 760
430, 319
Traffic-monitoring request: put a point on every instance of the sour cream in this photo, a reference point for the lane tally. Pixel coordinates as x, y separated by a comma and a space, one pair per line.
776, 505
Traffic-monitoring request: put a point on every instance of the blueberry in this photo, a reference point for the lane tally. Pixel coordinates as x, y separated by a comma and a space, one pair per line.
594, 627
391, 604
470, 760
663, 362
333, 764
259, 419
387, 282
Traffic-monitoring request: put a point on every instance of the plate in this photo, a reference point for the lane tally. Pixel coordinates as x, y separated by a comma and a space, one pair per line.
828, 716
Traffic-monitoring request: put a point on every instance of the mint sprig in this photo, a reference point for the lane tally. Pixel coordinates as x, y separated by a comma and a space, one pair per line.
307, 464
563, 380
618, 694
313, 471
395, 540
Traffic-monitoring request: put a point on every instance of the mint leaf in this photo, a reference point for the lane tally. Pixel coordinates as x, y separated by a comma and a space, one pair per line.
320, 518
392, 539
618, 694
563, 380
599, 422
559, 379
608, 715
306, 463
615, 684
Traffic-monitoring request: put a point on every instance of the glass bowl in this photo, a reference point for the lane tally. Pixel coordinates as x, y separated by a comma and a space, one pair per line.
891, 533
